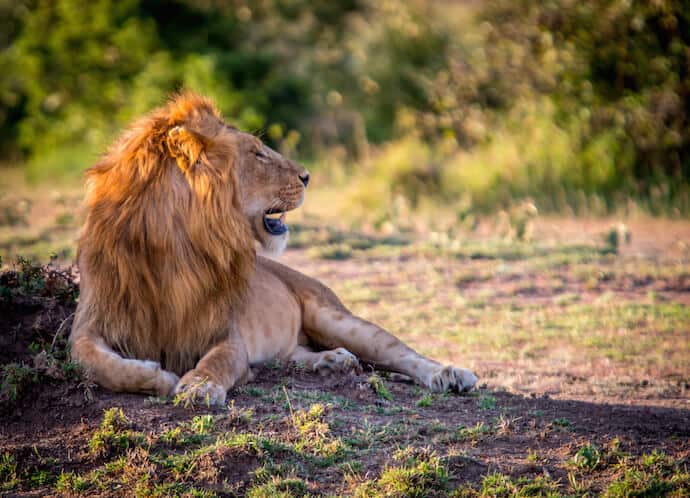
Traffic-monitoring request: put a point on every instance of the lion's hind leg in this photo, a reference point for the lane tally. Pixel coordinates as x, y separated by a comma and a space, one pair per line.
112, 371
334, 360
333, 326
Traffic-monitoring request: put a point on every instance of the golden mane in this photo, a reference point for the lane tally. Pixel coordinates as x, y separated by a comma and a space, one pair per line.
166, 251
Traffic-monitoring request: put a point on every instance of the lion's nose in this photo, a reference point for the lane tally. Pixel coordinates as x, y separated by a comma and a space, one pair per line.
305, 178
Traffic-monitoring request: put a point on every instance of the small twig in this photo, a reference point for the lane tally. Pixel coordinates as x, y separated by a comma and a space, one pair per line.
292, 413
59, 331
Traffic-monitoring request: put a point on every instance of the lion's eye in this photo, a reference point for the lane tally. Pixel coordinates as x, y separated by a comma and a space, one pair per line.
260, 155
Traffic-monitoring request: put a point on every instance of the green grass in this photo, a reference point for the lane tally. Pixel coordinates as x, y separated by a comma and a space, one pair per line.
279, 487
9, 478
587, 457
425, 401
653, 474
414, 473
487, 402
178, 454
290, 456
562, 423
500, 485
16, 379
379, 387
314, 435
476, 433
203, 424
332, 251
617, 331
114, 435
71, 482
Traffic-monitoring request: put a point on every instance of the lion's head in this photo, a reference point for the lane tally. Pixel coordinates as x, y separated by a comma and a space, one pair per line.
173, 210
269, 184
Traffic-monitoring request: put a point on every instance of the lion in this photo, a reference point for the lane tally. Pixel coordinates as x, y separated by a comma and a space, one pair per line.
176, 298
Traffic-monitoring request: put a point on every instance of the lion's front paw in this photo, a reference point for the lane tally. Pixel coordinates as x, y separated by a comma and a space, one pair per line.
338, 360
451, 378
195, 389
165, 381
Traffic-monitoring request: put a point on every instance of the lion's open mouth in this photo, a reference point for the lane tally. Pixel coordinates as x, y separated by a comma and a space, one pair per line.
274, 222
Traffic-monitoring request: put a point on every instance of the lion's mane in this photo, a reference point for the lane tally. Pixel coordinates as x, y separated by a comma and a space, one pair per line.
166, 253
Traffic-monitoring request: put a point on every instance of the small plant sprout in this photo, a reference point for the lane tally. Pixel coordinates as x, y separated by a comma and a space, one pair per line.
379, 387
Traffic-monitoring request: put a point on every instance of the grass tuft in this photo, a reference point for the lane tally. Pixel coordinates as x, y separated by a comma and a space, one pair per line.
418, 472
379, 387
9, 478
314, 435
114, 434
587, 458
653, 474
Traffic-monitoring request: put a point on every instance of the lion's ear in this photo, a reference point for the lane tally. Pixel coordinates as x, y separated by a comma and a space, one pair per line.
186, 146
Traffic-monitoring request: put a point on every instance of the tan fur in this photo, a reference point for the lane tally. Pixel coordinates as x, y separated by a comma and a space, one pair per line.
170, 281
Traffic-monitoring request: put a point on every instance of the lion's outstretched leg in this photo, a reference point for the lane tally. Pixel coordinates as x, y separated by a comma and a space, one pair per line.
331, 325
339, 359
224, 366
116, 373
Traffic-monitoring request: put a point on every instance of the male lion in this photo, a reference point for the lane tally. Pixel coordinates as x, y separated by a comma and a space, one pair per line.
170, 280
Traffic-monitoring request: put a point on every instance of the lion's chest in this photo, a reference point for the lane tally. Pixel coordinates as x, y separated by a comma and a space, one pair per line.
271, 320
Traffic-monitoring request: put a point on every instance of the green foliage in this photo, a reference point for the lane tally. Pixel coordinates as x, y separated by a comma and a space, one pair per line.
487, 402
71, 482
9, 477
479, 105
379, 387
654, 474
500, 485
39, 478
416, 473
576, 105
87, 69
16, 379
314, 434
30, 276
587, 458
114, 434
563, 422
425, 401
619, 68
475, 433
203, 424
30, 279
279, 487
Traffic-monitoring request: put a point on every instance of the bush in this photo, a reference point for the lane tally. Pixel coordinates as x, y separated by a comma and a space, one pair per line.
568, 103
618, 72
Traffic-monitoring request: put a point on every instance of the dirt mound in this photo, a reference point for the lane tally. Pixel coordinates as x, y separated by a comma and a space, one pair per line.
37, 304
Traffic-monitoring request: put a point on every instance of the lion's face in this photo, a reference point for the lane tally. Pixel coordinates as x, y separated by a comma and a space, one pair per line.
270, 185
220, 160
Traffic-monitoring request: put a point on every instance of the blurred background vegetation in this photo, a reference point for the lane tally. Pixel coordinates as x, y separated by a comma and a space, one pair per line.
573, 105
